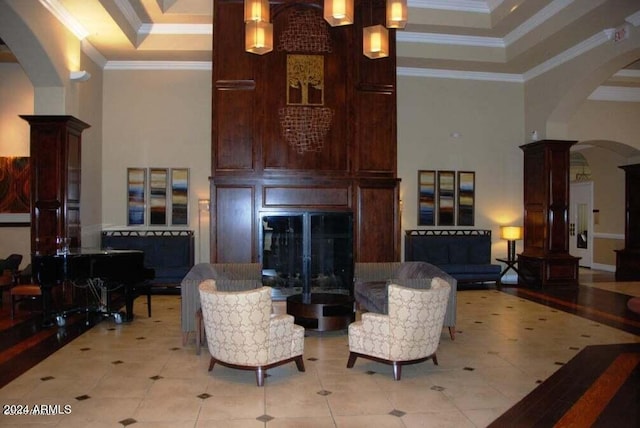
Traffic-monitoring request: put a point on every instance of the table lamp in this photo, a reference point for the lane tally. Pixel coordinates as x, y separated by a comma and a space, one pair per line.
511, 234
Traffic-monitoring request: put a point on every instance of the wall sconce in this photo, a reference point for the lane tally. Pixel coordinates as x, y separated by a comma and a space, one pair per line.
396, 13
258, 37
511, 234
375, 41
204, 205
338, 12
79, 76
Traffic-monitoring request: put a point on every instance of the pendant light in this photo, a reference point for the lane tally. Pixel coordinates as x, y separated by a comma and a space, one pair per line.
396, 13
375, 41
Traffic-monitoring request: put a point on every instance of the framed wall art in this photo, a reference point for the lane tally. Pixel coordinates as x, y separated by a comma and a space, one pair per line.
426, 198
136, 201
15, 191
446, 198
466, 198
180, 196
158, 180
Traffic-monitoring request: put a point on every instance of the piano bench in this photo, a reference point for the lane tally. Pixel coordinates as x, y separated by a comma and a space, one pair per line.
23, 292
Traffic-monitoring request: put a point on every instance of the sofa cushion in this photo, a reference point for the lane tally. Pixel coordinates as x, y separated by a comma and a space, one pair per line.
371, 296
415, 270
479, 253
468, 268
458, 253
415, 283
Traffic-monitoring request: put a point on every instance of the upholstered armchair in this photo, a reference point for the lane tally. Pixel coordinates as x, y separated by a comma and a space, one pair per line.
190, 298
243, 334
371, 281
409, 334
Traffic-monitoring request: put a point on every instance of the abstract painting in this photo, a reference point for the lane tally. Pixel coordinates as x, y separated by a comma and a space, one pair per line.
426, 198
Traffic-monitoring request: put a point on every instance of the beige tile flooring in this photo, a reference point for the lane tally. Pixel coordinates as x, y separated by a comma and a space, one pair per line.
138, 374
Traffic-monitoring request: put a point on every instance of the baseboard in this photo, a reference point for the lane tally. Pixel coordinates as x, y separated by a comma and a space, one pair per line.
603, 267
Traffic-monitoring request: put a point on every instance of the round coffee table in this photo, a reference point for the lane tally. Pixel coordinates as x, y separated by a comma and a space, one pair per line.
322, 311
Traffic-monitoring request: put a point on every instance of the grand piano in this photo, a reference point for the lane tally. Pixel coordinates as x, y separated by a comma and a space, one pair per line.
101, 273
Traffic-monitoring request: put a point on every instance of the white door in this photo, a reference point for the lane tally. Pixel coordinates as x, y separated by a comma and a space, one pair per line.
581, 222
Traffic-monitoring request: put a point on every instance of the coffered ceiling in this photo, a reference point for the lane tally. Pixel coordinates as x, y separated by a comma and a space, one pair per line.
493, 39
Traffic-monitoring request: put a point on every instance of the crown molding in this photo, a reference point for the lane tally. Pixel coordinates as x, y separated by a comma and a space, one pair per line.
159, 65
536, 20
93, 53
63, 15
574, 51
146, 29
129, 13
459, 5
615, 93
634, 19
449, 39
457, 74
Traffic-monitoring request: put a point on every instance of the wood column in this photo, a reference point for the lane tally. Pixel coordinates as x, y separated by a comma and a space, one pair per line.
545, 259
628, 259
55, 181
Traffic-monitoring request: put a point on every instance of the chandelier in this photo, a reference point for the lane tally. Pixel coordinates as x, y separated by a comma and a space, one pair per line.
375, 38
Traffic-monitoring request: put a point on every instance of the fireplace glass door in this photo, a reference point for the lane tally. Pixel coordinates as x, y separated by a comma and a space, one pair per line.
307, 253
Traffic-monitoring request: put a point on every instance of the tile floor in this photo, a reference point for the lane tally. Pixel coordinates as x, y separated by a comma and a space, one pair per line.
139, 375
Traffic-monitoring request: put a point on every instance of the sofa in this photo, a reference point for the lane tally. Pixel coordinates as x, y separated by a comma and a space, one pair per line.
228, 276
371, 281
465, 254
170, 253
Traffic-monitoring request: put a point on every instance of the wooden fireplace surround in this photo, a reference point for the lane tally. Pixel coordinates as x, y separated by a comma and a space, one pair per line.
255, 170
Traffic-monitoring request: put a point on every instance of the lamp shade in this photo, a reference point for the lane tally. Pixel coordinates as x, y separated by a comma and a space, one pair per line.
256, 10
511, 233
375, 41
396, 13
338, 12
258, 37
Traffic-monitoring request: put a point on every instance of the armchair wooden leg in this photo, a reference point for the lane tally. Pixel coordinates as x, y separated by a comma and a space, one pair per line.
198, 330
260, 376
212, 362
452, 332
352, 360
435, 359
299, 363
397, 370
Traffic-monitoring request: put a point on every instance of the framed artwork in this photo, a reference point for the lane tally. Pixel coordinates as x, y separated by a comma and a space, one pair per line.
446, 198
426, 198
180, 196
136, 202
15, 191
466, 198
158, 180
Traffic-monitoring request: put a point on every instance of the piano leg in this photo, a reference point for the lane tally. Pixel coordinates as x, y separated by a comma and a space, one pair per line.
129, 295
47, 314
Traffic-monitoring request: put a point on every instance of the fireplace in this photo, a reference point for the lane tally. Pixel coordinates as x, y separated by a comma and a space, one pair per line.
306, 253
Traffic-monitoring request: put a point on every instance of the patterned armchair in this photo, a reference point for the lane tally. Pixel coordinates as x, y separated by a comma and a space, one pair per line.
409, 334
243, 334
190, 299
371, 279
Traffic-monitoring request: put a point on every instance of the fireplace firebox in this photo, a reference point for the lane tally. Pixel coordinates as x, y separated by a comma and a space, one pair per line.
307, 253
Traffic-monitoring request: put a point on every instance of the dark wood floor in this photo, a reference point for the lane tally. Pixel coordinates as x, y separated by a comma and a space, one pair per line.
598, 387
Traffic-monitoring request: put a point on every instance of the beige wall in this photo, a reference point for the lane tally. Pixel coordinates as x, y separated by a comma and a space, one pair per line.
602, 126
463, 125
156, 119
16, 98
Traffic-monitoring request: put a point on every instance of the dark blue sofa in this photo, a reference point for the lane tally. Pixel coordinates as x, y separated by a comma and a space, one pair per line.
465, 254
170, 253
